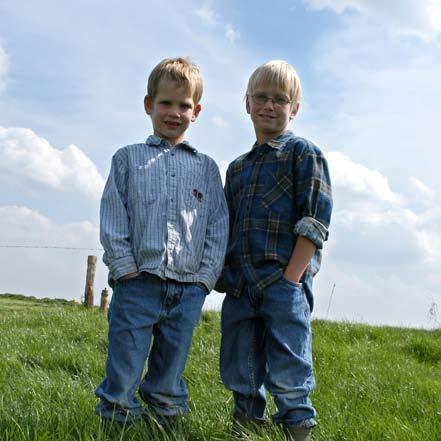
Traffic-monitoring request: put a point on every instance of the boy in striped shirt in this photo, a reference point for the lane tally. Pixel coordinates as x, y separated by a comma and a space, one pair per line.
164, 229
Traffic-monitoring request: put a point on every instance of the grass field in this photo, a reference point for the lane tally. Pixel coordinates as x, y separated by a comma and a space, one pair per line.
372, 383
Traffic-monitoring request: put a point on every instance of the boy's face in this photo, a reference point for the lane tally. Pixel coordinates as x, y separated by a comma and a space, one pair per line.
270, 118
172, 110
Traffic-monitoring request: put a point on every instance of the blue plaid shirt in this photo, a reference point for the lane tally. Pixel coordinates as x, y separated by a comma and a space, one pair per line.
276, 192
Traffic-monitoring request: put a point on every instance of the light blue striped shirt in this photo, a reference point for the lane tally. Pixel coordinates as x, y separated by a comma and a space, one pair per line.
163, 211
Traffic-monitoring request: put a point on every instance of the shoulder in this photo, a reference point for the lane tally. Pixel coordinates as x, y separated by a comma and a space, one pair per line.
124, 153
301, 147
208, 163
206, 159
236, 165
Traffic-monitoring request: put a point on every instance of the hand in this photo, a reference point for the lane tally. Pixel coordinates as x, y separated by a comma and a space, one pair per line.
129, 276
219, 286
290, 279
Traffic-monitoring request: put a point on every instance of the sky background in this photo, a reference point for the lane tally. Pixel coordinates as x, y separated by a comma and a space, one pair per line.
72, 80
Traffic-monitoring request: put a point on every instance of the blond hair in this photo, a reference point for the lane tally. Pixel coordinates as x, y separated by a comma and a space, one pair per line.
181, 70
279, 73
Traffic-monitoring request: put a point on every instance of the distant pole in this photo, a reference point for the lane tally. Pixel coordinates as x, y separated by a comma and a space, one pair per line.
104, 300
90, 278
330, 300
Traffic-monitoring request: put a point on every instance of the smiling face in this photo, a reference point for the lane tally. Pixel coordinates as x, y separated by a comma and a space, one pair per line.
172, 110
271, 118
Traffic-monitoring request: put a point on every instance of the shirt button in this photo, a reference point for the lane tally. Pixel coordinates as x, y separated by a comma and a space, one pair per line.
173, 175
172, 154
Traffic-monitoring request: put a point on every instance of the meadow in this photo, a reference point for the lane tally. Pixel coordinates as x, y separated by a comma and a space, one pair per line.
373, 383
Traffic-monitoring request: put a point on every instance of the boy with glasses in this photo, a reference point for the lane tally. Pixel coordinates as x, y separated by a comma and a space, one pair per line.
164, 229
279, 199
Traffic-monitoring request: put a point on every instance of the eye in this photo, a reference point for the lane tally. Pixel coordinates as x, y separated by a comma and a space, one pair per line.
281, 100
260, 98
165, 103
186, 106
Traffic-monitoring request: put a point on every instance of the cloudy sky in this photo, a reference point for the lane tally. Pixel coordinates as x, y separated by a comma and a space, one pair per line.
72, 81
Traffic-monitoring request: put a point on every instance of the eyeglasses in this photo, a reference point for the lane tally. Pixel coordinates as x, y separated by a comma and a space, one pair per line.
278, 100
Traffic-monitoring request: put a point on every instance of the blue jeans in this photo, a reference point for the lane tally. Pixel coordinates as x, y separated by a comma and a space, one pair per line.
143, 309
266, 343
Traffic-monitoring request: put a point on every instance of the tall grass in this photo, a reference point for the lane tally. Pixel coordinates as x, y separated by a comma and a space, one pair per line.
372, 383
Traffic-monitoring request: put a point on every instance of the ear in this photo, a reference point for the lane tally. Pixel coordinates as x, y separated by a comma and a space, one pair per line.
247, 104
196, 111
294, 110
148, 104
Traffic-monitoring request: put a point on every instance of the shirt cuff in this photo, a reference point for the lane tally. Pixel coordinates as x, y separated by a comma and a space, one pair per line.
312, 229
122, 266
208, 280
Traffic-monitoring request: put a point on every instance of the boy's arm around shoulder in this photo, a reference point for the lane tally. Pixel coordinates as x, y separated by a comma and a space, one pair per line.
313, 194
216, 236
114, 221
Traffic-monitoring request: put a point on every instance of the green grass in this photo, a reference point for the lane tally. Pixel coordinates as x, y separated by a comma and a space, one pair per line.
372, 383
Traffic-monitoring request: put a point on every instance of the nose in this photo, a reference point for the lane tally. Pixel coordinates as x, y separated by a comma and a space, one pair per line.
174, 111
269, 103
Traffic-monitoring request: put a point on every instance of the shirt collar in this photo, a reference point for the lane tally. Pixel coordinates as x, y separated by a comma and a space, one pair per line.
277, 142
156, 141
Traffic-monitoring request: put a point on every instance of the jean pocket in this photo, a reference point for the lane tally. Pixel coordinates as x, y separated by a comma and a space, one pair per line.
293, 284
129, 279
201, 286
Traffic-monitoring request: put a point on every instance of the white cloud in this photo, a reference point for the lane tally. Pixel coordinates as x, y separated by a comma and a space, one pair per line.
219, 121
211, 19
380, 251
52, 272
23, 154
409, 16
4, 67
382, 108
423, 190
21, 225
360, 183
374, 295
207, 15
223, 166
231, 33
370, 216
46, 272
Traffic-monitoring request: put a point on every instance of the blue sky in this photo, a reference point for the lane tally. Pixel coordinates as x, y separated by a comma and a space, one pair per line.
72, 81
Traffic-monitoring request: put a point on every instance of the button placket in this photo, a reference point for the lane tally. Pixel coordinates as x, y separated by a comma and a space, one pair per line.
171, 207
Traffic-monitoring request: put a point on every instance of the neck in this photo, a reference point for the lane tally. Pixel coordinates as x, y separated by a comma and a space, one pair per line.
262, 138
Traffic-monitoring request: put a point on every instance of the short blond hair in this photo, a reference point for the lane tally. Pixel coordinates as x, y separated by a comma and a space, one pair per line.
279, 73
181, 70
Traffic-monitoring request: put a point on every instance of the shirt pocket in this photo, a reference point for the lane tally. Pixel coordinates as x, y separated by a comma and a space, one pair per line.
145, 185
196, 201
278, 192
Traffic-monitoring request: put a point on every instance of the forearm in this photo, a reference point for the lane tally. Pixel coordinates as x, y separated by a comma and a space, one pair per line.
114, 223
300, 257
216, 236
215, 247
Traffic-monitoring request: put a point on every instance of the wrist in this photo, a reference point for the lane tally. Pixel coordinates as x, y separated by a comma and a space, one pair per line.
291, 277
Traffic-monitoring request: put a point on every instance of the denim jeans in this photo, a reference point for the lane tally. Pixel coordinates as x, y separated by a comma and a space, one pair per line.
266, 343
153, 319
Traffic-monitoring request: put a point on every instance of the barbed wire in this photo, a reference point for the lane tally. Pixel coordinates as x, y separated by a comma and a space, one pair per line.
51, 247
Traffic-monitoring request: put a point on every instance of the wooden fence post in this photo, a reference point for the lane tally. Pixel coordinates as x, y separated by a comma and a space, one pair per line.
90, 278
104, 300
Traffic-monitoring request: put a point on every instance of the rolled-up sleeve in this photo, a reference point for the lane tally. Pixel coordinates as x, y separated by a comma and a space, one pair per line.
114, 221
313, 195
216, 237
